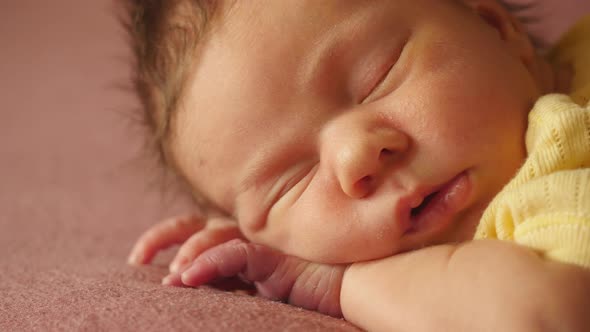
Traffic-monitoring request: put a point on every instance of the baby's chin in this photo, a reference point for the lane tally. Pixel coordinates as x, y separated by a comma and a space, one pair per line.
463, 230
346, 254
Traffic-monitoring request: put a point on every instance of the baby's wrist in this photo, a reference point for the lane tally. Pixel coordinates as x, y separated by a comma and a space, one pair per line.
349, 291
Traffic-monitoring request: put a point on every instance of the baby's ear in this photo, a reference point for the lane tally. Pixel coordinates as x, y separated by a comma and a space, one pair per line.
508, 27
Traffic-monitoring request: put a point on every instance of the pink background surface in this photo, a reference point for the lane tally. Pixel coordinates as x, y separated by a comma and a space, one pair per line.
74, 195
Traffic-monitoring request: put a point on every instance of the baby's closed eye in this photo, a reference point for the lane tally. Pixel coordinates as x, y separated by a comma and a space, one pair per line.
380, 82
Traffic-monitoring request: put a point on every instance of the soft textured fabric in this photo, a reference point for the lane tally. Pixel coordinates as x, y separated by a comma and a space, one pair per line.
74, 194
547, 205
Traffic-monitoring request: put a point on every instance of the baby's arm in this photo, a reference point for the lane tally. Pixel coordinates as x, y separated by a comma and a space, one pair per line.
476, 286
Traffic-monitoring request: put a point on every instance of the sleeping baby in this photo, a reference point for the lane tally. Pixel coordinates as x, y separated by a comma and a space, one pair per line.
408, 165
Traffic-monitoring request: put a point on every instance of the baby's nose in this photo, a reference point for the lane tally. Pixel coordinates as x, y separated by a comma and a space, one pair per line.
360, 152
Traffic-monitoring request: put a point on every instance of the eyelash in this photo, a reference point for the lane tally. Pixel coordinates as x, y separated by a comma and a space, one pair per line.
386, 73
379, 82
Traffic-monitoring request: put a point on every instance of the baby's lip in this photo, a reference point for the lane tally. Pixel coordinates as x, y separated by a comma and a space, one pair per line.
413, 201
407, 203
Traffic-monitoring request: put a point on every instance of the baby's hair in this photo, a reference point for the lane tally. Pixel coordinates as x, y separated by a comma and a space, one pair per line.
164, 36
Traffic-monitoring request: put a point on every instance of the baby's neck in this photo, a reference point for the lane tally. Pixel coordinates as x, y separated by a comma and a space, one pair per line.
563, 76
555, 78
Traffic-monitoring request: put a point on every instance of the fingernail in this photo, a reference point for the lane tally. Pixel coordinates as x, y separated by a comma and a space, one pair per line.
172, 279
167, 280
186, 276
178, 265
135, 259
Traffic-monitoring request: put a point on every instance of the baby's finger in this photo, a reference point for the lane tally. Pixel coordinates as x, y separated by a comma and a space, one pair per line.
163, 235
202, 241
173, 279
232, 258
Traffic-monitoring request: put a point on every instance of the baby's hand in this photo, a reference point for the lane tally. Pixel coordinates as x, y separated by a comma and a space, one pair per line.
276, 276
195, 233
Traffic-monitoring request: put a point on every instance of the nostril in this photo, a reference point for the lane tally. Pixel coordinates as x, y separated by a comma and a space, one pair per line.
364, 185
385, 154
366, 179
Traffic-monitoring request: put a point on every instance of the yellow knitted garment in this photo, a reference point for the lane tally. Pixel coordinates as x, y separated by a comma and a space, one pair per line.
546, 206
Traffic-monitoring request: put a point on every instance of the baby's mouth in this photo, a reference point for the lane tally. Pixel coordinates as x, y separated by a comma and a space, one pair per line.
436, 210
418, 209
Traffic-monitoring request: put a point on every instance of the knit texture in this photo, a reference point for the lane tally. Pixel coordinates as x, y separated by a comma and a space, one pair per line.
546, 206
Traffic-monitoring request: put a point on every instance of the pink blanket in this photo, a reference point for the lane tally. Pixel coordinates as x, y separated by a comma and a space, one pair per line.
74, 195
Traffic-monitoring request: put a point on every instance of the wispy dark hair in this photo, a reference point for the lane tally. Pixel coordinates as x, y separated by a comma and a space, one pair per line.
164, 36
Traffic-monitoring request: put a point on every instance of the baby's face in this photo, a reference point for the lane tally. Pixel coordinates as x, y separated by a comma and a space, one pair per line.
341, 131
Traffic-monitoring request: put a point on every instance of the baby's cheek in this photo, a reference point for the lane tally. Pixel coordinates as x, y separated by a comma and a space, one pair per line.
265, 231
250, 231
